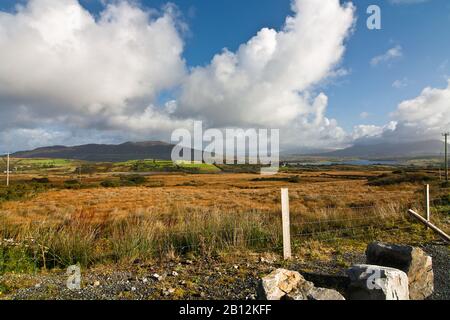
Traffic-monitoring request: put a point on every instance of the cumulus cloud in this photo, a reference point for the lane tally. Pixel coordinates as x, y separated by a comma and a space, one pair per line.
60, 64
270, 80
64, 68
369, 132
391, 54
424, 117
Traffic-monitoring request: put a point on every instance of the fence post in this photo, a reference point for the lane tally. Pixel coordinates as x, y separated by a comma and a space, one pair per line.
286, 224
427, 201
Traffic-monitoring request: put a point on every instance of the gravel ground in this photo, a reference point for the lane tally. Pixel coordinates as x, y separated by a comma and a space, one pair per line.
441, 270
200, 279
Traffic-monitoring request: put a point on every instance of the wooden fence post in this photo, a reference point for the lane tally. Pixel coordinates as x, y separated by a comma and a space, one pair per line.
427, 202
286, 224
430, 225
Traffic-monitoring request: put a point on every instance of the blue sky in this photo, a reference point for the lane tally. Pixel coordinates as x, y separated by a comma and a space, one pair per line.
366, 94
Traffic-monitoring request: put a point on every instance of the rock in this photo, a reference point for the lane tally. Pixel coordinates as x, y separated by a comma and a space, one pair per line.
307, 291
168, 292
268, 258
283, 284
278, 283
301, 290
157, 277
370, 282
324, 294
97, 283
413, 261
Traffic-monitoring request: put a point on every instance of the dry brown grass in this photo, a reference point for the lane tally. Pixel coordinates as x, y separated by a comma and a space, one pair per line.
197, 213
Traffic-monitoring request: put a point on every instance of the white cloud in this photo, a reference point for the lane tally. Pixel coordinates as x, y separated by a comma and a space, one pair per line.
425, 116
364, 115
62, 65
270, 80
393, 53
64, 68
367, 132
400, 83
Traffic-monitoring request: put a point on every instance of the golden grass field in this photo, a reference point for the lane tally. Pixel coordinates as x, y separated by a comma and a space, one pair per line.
228, 192
177, 213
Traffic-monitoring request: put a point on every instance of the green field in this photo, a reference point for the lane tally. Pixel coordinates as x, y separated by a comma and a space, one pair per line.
164, 165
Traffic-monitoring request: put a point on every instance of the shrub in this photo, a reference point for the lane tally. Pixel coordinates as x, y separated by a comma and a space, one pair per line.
391, 179
131, 180
110, 184
40, 180
19, 191
71, 182
292, 179
16, 259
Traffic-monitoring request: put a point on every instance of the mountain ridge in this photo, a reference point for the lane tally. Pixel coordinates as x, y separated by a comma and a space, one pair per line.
103, 152
389, 150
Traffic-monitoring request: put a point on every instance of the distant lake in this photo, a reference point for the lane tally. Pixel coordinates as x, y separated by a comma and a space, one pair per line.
356, 162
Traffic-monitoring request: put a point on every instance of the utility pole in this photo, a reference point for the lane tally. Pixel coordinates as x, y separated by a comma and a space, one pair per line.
7, 169
446, 134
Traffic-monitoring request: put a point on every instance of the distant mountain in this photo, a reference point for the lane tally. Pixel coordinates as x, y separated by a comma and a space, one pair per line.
104, 152
390, 150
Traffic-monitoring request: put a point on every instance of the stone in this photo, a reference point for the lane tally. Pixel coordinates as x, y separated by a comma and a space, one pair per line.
268, 258
412, 260
283, 284
301, 290
371, 282
97, 283
278, 283
324, 294
157, 277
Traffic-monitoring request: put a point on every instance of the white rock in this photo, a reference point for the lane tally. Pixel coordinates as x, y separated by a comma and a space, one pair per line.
413, 261
157, 276
283, 284
278, 283
370, 282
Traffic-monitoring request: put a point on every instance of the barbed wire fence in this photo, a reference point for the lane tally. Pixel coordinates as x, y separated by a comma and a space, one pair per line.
331, 225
